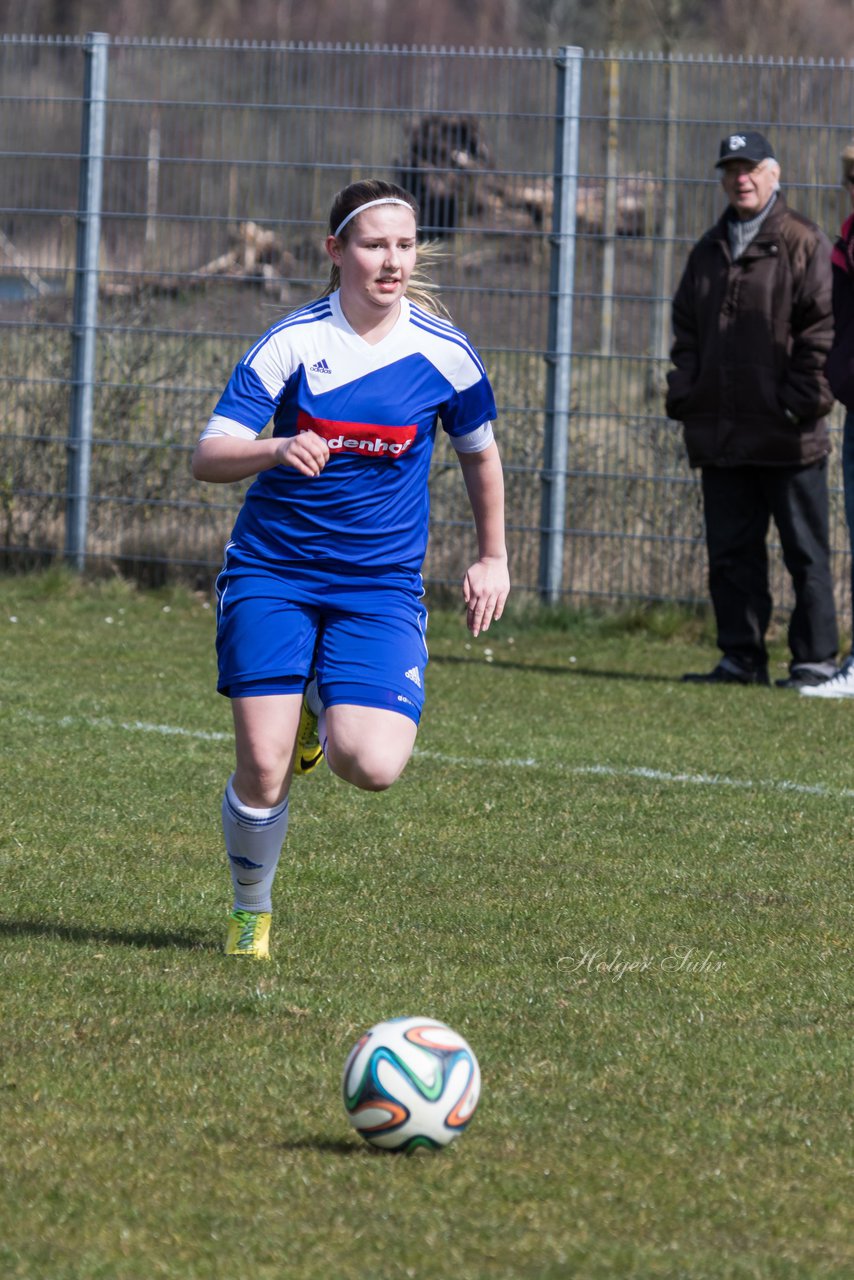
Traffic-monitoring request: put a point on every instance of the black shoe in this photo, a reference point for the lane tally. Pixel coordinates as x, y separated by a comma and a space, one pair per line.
728, 675
803, 678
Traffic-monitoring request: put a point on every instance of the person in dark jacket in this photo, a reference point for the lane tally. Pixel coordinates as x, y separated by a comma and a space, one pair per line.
752, 327
839, 371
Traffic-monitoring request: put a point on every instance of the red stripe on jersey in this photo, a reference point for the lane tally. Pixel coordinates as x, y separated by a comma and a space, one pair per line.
363, 439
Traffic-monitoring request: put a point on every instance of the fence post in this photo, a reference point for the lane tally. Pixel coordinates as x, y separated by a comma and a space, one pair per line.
85, 322
609, 208
559, 356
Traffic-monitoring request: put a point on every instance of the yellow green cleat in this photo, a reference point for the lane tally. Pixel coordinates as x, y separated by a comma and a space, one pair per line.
248, 934
308, 753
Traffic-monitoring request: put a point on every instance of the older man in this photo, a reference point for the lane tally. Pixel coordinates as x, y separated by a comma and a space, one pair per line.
752, 325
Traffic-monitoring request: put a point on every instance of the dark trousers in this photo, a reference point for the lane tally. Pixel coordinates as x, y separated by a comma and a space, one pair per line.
848, 482
738, 504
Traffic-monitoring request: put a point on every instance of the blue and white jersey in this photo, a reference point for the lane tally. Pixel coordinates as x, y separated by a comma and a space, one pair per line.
377, 408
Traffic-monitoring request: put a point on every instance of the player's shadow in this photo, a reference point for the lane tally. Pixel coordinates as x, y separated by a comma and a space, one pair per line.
146, 940
543, 668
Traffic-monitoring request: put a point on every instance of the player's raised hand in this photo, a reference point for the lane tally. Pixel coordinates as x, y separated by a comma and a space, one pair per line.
305, 452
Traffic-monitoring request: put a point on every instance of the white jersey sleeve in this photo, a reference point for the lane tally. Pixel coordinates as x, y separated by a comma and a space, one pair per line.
475, 441
221, 426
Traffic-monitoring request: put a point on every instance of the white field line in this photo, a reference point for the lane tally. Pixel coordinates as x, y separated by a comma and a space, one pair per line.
653, 775
482, 762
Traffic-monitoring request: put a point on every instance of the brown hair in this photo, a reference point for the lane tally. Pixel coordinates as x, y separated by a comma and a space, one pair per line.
847, 159
420, 289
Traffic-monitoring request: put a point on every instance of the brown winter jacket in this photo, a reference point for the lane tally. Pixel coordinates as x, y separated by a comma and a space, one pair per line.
750, 341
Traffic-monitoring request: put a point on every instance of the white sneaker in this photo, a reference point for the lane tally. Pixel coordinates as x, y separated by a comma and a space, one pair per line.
839, 686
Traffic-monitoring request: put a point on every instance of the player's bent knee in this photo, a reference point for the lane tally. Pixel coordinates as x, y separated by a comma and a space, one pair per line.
373, 772
367, 746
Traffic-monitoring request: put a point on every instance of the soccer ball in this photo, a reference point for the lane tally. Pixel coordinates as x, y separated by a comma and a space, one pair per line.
410, 1083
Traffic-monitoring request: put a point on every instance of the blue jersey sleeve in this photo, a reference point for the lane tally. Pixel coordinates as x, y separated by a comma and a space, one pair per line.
469, 409
246, 400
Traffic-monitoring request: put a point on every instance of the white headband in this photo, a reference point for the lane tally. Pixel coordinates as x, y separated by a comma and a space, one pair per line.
370, 205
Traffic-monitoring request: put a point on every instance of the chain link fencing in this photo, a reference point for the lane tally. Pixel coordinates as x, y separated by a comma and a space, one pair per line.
563, 220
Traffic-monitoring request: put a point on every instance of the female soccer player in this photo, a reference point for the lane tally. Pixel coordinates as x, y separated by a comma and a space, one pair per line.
322, 575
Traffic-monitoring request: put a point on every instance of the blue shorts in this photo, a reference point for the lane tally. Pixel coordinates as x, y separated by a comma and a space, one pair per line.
277, 623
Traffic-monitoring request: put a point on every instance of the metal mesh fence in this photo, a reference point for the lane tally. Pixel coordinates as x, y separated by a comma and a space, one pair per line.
220, 162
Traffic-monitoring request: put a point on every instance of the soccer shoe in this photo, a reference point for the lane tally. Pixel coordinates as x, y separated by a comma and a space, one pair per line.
803, 678
725, 674
308, 753
839, 686
248, 934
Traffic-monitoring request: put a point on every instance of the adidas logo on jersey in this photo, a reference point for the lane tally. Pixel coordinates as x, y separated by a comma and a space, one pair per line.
413, 675
320, 367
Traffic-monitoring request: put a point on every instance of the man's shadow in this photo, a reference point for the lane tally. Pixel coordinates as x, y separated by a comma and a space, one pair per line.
542, 668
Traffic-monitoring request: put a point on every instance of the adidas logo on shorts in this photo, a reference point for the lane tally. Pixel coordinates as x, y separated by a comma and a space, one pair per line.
413, 675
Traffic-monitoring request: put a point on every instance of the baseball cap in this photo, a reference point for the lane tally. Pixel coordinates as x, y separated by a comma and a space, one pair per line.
744, 145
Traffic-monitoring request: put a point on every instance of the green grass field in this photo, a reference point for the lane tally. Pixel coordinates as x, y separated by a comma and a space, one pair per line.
633, 897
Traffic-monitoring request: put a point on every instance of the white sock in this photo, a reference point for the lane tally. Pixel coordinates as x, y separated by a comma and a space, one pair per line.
312, 697
253, 842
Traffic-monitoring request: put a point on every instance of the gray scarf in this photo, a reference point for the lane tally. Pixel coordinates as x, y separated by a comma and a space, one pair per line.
743, 232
